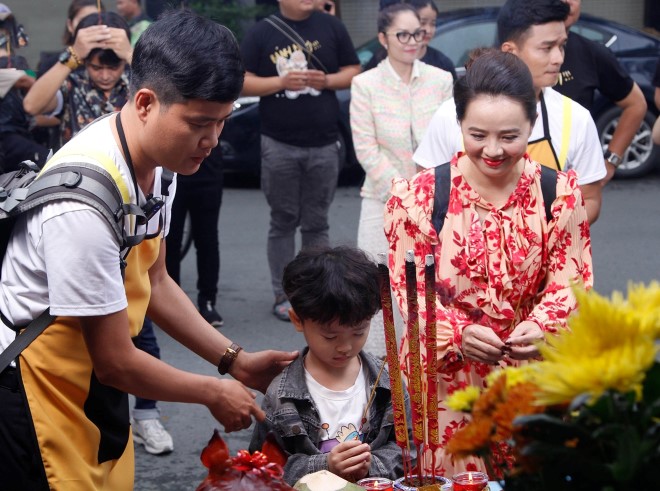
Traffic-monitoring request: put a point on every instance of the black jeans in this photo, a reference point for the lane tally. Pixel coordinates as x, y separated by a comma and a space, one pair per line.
201, 196
21, 467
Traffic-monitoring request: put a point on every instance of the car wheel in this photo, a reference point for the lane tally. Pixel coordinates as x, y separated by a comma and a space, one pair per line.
641, 156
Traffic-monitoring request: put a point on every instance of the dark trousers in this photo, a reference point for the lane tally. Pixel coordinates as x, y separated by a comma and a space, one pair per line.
21, 467
201, 196
147, 342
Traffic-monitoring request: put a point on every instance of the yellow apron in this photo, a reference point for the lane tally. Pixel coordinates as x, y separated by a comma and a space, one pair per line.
541, 150
82, 426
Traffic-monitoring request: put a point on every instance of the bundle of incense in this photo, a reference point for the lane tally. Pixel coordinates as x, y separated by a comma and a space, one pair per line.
415, 367
396, 385
431, 361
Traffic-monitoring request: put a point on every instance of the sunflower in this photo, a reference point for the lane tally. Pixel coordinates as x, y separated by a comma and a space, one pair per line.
610, 346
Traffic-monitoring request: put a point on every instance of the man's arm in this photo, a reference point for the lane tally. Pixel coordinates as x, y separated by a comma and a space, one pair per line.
333, 81
633, 111
255, 85
175, 313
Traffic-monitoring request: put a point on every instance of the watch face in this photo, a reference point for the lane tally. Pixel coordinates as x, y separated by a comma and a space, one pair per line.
64, 57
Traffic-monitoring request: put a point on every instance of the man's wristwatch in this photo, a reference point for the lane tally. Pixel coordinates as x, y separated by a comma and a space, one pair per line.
613, 158
70, 59
228, 358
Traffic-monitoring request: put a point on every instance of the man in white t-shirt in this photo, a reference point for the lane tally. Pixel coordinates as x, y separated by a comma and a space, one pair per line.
564, 135
64, 418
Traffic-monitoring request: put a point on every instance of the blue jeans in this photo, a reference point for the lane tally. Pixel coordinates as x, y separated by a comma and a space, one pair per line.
147, 342
299, 184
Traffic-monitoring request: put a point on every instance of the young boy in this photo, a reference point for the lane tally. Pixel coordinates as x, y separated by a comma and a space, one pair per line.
318, 407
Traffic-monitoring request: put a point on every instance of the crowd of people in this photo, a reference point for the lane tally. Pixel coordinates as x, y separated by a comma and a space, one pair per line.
498, 174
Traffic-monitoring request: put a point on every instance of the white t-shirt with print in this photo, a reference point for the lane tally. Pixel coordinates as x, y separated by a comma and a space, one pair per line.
65, 254
340, 411
443, 137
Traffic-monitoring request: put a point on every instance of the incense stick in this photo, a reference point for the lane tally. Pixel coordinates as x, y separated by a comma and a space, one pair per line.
396, 385
414, 368
431, 361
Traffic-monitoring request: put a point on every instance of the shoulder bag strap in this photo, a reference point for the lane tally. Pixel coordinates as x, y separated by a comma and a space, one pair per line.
295, 38
24, 338
441, 196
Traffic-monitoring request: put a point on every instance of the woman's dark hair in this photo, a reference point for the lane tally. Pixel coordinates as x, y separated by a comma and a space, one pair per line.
420, 4
387, 15
328, 284
493, 72
110, 19
516, 17
185, 56
74, 8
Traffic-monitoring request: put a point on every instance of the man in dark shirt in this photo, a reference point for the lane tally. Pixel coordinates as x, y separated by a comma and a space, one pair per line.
295, 61
589, 66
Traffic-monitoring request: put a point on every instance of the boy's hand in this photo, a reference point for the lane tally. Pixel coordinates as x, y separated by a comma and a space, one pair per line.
350, 460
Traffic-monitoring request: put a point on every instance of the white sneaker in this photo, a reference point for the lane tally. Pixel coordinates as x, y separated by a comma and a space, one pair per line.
152, 434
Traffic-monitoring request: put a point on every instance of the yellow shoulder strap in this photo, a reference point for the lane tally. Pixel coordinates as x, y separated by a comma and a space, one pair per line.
565, 131
102, 159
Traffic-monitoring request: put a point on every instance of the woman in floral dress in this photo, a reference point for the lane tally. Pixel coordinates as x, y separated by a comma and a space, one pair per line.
503, 271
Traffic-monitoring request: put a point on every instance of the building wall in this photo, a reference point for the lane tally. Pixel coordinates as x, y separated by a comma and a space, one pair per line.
44, 20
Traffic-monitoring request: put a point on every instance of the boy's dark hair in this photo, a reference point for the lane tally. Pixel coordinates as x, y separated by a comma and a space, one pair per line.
184, 56
493, 72
110, 19
388, 14
516, 17
328, 284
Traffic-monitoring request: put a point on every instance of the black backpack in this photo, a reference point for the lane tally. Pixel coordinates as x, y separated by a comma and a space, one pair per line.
30, 187
443, 186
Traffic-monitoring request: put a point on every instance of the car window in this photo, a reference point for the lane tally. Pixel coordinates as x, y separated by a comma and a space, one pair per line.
367, 50
458, 40
615, 39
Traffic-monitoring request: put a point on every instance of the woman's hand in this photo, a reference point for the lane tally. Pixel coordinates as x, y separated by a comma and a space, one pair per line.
522, 342
480, 343
120, 44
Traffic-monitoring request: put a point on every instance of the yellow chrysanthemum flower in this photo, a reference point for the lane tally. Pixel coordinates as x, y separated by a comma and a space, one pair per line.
610, 345
514, 375
462, 400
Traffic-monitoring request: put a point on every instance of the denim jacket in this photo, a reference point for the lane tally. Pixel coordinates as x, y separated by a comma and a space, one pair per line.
292, 416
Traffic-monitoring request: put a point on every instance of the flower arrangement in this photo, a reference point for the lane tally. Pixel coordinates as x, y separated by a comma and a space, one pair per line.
587, 417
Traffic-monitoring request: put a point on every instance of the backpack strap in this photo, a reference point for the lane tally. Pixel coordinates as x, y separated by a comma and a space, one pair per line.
441, 197
23, 340
548, 190
443, 187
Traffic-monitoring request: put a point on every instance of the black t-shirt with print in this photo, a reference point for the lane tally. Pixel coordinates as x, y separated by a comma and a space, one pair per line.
303, 120
589, 66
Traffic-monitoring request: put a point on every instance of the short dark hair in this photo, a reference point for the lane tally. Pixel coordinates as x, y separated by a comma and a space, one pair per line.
516, 17
184, 56
387, 15
110, 19
493, 72
328, 284
75, 7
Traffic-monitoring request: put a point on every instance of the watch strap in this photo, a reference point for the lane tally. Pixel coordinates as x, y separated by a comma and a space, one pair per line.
613, 158
228, 358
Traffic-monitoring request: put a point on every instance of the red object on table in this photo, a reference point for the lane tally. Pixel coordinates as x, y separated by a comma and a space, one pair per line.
260, 471
470, 481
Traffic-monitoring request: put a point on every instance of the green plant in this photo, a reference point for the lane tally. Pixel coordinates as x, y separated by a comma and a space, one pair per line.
231, 13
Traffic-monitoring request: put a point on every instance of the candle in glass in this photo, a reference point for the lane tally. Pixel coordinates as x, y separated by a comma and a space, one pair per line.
376, 484
470, 481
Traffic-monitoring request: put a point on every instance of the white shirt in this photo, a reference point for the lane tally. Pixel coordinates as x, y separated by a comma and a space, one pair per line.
443, 137
65, 254
340, 411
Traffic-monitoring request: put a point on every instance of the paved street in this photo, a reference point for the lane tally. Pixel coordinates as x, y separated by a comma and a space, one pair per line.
626, 240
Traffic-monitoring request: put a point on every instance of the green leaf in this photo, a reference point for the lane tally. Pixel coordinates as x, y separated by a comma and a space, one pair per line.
651, 387
550, 429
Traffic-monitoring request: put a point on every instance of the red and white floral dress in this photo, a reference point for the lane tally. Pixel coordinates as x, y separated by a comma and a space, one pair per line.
509, 267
